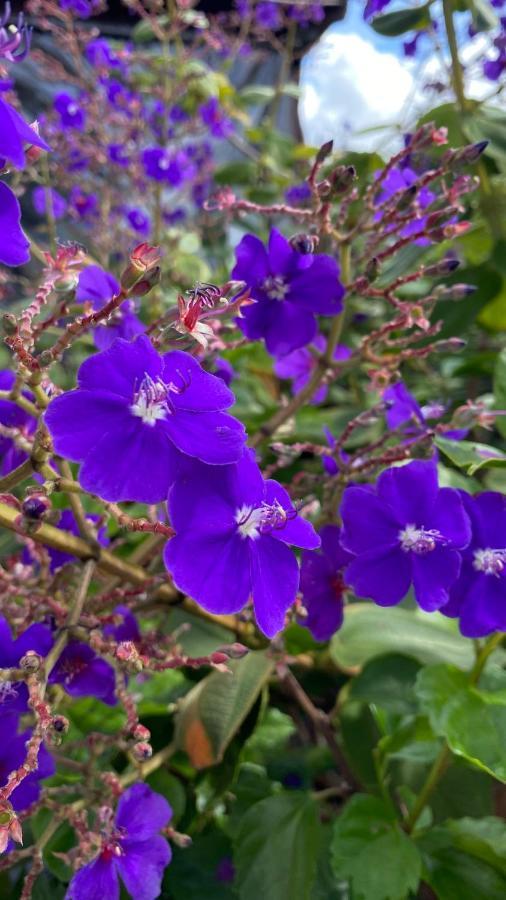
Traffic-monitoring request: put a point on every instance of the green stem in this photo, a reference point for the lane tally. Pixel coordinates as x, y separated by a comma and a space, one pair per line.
16, 476
482, 656
438, 769
457, 73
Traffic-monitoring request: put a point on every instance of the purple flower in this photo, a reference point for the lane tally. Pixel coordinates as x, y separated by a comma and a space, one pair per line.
117, 154
401, 407
38, 637
14, 39
127, 630
290, 289
232, 531
39, 200
15, 133
224, 369
71, 114
268, 15
215, 119
84, 674
322, 584
494, 68
14, 245
12, 416
299, 366
82, 8
172, 168
98, 286
13, 755
131, 850
298, 193
405, 531
137, 415
478, 597
399, 180
99, 53
329, 463
84, 204
139, 221
225, 870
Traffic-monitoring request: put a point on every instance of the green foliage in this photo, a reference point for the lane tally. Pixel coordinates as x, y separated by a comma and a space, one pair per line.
402, 20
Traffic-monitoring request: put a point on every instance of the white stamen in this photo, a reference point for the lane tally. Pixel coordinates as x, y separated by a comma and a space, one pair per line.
150, 401
249, 521
275, 287
419, 540
491, 562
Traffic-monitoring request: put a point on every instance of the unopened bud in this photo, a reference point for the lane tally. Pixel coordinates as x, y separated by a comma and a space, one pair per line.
142, 751
180, 840
60, 726
324, 151
30, 662
36, 506
473, 152
342, 179
372, 269
218, 658
141, 733
9, 323
453, 343
304, 243
143, 260
234, 651
45, 359
127, 653
145, 284
443, 267
455, 291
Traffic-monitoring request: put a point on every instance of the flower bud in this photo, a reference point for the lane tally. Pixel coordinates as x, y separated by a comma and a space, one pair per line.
324, 151
372, 269
30, 662
143, 259
472, 153
10, 324
35, 506
141, 733
455, 291
406, 198
145, 284
234, 651
453, 343
127, 653
142, 751
304, 243
60, 724
443, 267
342, 178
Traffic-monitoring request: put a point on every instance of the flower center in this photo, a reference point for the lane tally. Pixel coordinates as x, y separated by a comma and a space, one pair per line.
7, 691
152, 401
420, 540
491, 562
253, 521
275, 287
72, 109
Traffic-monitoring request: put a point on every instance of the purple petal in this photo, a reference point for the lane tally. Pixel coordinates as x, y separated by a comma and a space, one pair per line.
142, 812
200, 391
213, 569
275, 575
37, 637
142, 866
384, 575
96, 285
322, 592
483, 608
488, 511
282, 257
367, 522
121, 368
288, 328
433, 575
14, 133
96, 881
332, 548
137, 462
212, 437
296, 531
410, 491
78, 420
252, 264
450, 518
318, 289
14, 245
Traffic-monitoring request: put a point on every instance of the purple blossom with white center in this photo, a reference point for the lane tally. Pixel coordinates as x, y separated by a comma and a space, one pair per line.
99, 53
136, 416
139, 221
290, 289
127, 630
14, 39
268, 15
82, 673
12, 416
398, 180
15, 135
97, 286
14, 245
119, 155
172, 168
13, 755
40, 204
85, 205
37, 637
232, 532
219, 124
71, 114
322, 584
478, 597
299, 366
132, 850
405, 531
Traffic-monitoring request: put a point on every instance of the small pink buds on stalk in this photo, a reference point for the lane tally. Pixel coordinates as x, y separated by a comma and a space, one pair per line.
144, 260
443, 267
142, 751
10, 826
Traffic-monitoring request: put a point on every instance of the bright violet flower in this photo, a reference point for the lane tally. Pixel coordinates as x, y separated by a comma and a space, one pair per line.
127, 630
13, 755
38, 637
39, 200
290, 289
232, 531
99, 53
298, 194
71, 114
15, 134
268, 15
219, 125
406, 531
137, 415
224, 369
322, 584
85, 205
398, 180
12, 416
139, 221
82, 8
402, 409
132, 849
14, 39
84, 674
478, 597
14, 245
300, 364
98, 287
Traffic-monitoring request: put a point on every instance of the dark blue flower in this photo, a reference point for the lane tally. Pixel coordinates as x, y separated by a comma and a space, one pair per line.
322, 584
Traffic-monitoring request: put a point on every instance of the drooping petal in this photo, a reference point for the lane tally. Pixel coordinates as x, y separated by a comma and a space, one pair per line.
332, 547
410, 491
252, 264
275, 576
367, 522
14, 134
96, 285
199, 390
295, 530
142, 866
290, 327
483, 609
135, 463
433, 575
450, 518
121, 368
213, 569
322, 595
78, 420
14, 245
96, 881
212, 437
142, 812
383, 575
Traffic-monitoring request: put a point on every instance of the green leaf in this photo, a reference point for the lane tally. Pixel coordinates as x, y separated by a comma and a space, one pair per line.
469, 455
194, 871
369, 631
413, 741
483, 838
488, 123
373, 853
395, 23
212, 712
472, 721
455, 874
276, 848
201, 637
258, 93
500, 390
89, 714
387, 682
484, 16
